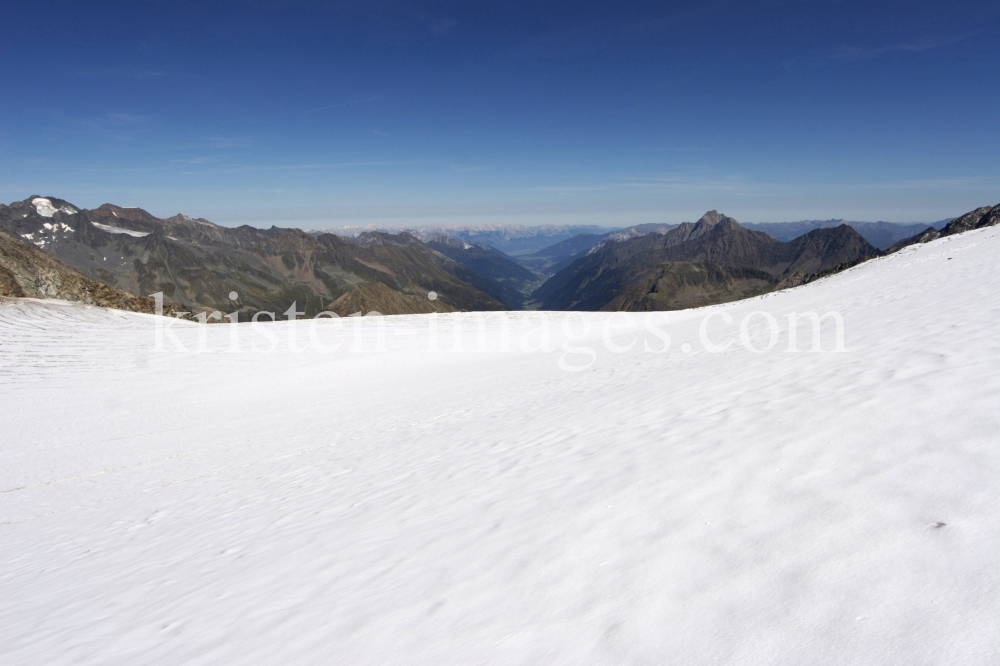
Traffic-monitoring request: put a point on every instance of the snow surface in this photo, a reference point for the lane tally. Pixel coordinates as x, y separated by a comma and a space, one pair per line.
116, 230
459, 507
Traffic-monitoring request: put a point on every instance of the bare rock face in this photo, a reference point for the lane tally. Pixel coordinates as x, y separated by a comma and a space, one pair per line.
26, 271
976, 219
8, 283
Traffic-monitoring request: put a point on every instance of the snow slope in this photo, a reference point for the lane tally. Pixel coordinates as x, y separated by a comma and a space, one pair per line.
460, 507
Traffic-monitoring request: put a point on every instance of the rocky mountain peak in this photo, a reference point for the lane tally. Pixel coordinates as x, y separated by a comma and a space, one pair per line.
712, 220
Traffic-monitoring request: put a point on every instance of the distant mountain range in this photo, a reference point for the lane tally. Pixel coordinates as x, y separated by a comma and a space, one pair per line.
110, 254
880, 234
511, 239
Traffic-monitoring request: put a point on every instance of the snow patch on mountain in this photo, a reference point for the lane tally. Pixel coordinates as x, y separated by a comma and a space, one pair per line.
116, 230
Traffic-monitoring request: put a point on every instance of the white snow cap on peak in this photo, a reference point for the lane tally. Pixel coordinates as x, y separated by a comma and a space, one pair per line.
46, 209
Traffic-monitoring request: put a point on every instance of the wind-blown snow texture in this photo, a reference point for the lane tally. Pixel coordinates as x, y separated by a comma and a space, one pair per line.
412, 507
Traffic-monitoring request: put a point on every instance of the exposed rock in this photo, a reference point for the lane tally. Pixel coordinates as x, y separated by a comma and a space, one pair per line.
977, 219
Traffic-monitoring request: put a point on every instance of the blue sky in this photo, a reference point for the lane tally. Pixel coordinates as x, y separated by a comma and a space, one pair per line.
327, 114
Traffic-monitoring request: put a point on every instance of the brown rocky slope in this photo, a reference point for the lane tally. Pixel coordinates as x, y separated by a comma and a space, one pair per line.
26, 271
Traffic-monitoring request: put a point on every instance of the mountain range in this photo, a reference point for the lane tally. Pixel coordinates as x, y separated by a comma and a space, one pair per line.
199, 265
594, 281
511, 239
550, 260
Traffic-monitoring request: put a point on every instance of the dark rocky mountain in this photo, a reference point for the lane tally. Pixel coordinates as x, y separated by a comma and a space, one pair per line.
26, 271
880, 234
499, 275
977, 219
677, 285
196, 263
593, 281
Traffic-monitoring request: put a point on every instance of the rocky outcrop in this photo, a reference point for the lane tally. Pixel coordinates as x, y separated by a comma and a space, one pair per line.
981, 217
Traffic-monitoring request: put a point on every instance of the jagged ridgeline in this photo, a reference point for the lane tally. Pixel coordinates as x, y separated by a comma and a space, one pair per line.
981, 217
712, 261
197, 264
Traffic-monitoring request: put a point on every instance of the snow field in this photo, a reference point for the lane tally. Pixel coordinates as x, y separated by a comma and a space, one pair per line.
407, 506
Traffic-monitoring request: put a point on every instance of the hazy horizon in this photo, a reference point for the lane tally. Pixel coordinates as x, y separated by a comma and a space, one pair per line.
402, 218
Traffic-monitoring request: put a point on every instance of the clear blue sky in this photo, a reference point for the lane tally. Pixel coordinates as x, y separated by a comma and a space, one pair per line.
318, 114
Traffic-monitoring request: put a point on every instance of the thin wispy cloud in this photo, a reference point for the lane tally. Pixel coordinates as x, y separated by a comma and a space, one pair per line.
974, 183
229, 142
110, 123
869, 52
263, 168
570, 189
123, 73
616, 35
121, 118
666, 183
343, 104
441, 27
196, 160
